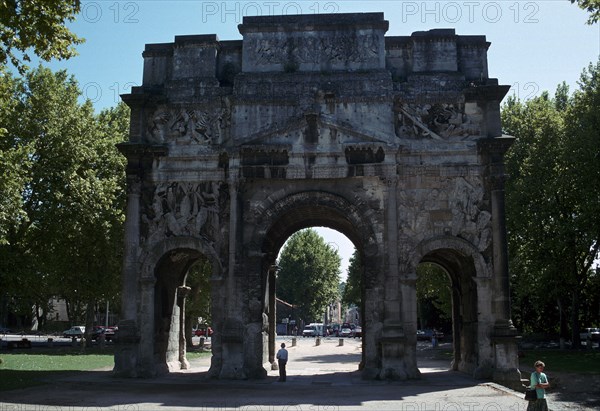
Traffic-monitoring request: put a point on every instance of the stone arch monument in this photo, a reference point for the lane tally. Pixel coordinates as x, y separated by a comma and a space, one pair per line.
315, 120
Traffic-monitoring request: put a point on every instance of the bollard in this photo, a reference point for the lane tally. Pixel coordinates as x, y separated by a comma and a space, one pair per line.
293, 341
341, 342
318, 341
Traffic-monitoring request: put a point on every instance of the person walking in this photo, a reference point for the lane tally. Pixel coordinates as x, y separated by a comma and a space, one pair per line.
539, 381
282, 358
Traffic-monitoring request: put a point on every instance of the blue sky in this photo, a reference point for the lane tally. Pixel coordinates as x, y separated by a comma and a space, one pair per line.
535, 44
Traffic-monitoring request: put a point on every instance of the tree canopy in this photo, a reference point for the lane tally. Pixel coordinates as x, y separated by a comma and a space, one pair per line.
434, 301
592, 7
309, 275
38, 26
553, 200
352, 294
63, 185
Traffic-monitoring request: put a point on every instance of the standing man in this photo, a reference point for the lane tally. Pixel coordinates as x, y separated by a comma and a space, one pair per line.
282, 358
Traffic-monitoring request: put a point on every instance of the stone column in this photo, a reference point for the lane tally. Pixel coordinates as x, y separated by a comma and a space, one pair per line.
504, 333
394, 363
272, 316
501, 299
146, 366
182, 292
132, 243
140, 159
126, 349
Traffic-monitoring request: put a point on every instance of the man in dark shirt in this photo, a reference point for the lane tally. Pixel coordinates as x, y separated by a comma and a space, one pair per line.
282, 358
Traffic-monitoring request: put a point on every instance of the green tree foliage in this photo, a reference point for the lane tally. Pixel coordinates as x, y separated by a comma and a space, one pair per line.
552, 197
64, 238
352, 294
592, 7
309, 275
198, 300
38, 26
13, 158
434, 301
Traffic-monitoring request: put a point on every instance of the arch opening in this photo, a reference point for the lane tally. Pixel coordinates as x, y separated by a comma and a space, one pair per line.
182, 277
453, 331
299, 216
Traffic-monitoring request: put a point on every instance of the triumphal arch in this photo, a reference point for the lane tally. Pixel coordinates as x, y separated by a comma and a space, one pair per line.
315, 120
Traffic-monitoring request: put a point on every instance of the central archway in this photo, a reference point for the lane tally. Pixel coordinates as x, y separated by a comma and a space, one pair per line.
319, 208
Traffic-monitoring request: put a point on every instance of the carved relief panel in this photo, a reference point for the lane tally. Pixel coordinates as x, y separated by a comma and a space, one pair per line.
439, 121
183, 209
189, 126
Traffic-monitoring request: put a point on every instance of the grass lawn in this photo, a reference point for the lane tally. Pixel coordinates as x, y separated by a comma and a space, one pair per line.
34, 367
575, 361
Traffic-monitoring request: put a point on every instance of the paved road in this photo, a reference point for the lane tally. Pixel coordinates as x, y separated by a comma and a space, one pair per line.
320, 378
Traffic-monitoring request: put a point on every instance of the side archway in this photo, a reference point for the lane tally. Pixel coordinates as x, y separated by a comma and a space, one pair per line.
467, 271
163, 293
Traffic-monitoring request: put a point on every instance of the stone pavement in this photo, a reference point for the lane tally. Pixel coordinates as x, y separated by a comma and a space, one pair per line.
320, 378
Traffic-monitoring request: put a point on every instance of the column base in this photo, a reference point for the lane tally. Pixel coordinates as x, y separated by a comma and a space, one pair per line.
128, 362
506, 355
395, 364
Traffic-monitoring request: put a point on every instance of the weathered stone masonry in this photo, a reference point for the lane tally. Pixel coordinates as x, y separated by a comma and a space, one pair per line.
315, 120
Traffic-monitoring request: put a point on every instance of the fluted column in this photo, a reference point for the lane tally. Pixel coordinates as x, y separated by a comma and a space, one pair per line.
132, 243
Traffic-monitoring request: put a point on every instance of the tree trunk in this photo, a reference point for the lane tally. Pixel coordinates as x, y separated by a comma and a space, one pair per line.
564, 329
575, 319
90, 312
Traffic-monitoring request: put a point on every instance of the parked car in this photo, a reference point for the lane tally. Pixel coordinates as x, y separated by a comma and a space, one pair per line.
593, 333
203, 332
97, 332
76, 331
357, 332
309, 331
313, 330
110, 332
426, 335
345, 332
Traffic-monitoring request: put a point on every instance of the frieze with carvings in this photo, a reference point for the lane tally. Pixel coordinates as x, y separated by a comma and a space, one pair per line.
183, 209
438, 121
331, 49
193, 126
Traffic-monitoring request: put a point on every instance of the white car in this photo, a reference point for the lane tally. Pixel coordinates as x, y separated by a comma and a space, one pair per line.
309, 331
593, 333
76, 331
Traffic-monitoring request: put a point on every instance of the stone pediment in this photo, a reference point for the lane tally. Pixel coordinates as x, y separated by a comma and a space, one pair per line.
317, 132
